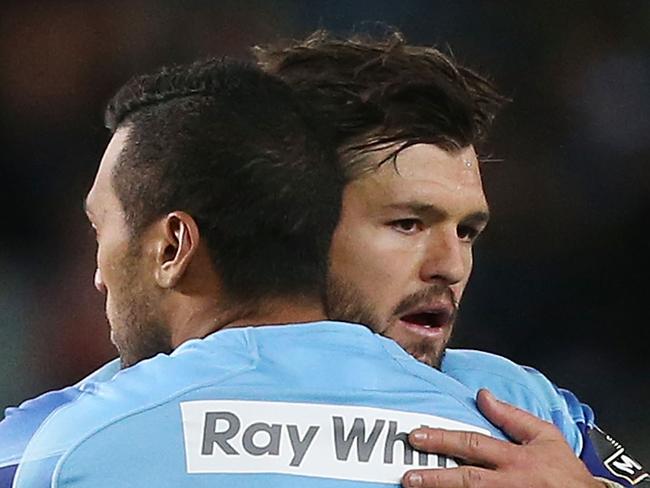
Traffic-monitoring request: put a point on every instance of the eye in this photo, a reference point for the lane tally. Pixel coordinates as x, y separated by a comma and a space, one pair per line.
468, 233
406, 226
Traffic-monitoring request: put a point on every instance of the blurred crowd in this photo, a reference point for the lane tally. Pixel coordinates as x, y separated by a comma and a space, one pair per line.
560, 276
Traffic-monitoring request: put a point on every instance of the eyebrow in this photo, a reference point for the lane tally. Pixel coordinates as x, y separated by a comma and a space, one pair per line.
480, 217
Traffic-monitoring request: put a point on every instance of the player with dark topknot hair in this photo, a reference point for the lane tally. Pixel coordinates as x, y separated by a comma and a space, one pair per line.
199, 135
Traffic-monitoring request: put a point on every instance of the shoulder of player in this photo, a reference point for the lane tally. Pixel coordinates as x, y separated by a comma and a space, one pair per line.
151, 383
523, 387
20, 423
102, 374
459, 362
146, 386
481, 369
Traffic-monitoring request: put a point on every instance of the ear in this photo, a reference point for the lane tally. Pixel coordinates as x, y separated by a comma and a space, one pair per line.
176, 248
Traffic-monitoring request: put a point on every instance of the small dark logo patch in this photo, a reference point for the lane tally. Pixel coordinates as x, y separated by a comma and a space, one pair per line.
623, 466
615, 459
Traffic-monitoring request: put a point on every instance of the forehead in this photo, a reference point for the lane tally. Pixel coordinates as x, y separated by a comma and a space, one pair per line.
425, 174
102, 189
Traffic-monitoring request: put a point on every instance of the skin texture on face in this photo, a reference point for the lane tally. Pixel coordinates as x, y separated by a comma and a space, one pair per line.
132, 302
401, 255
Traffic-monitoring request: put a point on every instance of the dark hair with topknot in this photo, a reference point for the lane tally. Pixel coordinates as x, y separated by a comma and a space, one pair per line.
235, 148
374, 93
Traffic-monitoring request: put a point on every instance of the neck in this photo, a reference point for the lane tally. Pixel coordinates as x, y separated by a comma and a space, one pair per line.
204, 319
279, 312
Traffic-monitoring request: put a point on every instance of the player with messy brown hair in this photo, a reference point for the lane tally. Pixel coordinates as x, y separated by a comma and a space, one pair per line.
401, 256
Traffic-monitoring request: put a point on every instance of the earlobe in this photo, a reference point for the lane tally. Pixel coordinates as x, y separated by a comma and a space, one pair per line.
177, 248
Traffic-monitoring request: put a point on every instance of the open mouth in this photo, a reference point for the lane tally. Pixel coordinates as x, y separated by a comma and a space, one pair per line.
428, 319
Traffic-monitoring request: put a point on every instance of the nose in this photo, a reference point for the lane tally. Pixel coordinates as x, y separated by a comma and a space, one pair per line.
447, 258
99, 283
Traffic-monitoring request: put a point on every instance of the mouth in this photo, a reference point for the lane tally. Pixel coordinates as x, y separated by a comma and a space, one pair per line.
431, 321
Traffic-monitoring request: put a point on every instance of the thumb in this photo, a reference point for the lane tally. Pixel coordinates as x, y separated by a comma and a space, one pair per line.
519, 425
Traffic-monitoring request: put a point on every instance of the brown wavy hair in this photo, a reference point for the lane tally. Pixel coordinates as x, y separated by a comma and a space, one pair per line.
376, 93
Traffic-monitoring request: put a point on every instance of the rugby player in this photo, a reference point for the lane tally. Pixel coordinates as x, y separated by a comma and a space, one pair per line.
449, 365
214, 206
406, 120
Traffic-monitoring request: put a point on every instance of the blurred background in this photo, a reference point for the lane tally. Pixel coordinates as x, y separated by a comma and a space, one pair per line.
560, 281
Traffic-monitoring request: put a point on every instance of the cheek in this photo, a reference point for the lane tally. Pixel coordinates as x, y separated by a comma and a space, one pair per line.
108, 255
375, 262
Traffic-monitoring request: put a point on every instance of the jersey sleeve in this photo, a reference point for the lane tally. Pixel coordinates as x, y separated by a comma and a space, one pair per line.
604, 457
21, 423
530, 390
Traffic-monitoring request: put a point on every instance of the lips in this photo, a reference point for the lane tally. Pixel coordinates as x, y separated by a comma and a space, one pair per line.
427, 319
434, 317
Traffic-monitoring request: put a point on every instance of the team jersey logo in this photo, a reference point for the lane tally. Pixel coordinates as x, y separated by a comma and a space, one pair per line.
625, 467
615, 459
331, 441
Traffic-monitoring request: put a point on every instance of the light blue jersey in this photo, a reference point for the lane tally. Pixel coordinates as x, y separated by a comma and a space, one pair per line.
521, 386
323, 404
20, 423
527, 388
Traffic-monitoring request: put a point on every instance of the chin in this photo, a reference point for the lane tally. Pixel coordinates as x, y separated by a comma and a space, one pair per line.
426, 352
432, 359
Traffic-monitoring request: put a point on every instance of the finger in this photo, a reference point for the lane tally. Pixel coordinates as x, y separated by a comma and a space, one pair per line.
465, 477
471, 447
518, 424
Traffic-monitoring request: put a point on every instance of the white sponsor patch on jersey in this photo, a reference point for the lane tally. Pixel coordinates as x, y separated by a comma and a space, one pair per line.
330, 441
